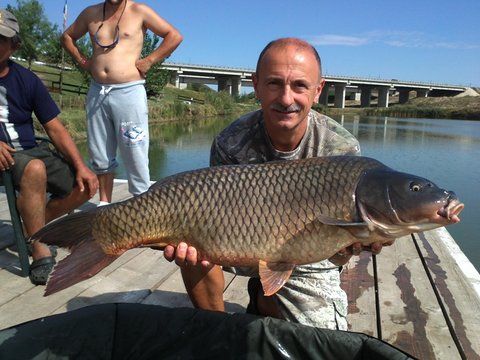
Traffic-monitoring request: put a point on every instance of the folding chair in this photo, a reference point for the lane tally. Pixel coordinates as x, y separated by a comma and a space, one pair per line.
20, 239
16, 222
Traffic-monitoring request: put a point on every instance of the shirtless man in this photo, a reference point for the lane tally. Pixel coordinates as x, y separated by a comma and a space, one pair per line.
116, 106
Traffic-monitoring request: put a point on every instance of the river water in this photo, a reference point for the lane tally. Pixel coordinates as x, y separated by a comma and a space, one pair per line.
445, 151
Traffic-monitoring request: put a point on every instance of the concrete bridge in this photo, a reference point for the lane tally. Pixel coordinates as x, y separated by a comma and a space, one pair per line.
337, 88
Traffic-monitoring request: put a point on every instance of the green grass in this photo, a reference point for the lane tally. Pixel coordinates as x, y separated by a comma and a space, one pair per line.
466, 107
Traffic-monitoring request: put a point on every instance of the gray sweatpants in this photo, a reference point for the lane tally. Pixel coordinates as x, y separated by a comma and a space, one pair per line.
118, 117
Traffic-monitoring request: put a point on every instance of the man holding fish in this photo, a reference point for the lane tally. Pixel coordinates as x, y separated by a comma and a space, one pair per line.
287, 82
289, 223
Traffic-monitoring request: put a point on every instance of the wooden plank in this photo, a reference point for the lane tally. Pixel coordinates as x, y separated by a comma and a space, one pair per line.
236, 295
130, 283
357, 281
171, 292
12, 284
410, 315
31, 304
458, 286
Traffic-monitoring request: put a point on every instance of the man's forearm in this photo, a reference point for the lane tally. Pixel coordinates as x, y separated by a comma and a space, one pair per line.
64, 143
169, 44
71, 47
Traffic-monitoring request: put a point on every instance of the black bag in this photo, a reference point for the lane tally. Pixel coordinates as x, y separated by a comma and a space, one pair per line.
136, 331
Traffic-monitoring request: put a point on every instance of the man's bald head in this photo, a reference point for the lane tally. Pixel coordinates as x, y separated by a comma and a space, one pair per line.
300, 45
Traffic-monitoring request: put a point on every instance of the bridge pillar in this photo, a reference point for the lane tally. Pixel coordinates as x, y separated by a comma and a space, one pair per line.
340, 91
365, 97
236, 85
422, 93
323, 100
175, 78
383, 96
403, 95
223, 85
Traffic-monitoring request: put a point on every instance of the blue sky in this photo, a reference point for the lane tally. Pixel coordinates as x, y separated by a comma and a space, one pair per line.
425, 40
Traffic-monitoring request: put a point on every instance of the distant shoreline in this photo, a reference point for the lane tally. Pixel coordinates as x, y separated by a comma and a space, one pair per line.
461, 108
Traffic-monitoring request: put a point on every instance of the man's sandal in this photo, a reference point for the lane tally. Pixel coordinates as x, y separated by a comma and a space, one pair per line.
40, 269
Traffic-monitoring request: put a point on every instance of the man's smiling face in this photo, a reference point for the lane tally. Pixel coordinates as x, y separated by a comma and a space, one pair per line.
287, 84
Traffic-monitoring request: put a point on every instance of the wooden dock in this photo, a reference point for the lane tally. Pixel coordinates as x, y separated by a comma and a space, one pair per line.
421, 295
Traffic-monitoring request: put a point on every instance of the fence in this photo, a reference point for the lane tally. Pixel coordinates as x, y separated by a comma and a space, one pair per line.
53, 82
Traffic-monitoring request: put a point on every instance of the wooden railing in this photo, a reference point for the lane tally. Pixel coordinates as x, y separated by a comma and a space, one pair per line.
55, 85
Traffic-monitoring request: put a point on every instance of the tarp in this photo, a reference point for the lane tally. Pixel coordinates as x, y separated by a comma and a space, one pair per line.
136, 331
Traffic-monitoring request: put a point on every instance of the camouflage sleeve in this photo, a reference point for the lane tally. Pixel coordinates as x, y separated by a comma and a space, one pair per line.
343, 143
218, 156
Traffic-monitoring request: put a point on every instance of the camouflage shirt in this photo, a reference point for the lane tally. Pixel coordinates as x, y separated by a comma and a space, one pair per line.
312, 295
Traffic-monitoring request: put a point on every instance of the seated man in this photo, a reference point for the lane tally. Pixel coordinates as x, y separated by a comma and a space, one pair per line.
288, 80
36, 169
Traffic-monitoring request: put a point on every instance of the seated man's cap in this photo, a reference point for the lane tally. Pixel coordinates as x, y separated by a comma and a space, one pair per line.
8, 24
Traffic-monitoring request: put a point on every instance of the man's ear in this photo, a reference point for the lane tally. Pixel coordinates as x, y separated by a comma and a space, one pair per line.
318, 90
255, 84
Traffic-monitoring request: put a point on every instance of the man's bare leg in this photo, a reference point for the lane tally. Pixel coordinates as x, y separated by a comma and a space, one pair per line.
31, 203
106, 186
33, 206
205, 286
57, 207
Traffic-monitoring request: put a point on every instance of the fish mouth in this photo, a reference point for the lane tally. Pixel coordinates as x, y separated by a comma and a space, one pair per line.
449, 213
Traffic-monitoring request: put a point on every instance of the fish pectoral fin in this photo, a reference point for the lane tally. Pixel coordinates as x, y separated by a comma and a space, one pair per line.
156, 246
273, 275
338, 222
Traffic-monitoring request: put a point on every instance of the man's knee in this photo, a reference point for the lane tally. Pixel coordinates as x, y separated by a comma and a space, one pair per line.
34, 173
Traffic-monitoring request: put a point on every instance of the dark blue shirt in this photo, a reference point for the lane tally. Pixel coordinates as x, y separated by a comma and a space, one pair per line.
21, 93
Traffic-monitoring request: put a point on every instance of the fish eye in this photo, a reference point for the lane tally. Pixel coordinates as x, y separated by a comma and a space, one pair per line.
415, 187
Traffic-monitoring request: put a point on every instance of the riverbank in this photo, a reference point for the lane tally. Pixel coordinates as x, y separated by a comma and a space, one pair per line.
464, 107
174, 105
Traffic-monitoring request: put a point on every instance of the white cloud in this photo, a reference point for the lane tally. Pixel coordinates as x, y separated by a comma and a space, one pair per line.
409, 39
337, 40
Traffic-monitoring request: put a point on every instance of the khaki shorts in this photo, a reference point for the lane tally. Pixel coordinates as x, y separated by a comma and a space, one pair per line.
60, 175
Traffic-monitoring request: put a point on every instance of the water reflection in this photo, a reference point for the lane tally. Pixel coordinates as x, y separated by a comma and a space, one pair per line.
444, 151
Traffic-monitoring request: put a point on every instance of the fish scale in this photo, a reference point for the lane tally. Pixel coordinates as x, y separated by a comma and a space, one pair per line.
218, 202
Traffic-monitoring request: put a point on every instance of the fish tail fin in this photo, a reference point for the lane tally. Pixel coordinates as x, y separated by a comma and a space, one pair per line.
86, 260
67, 231
87, 257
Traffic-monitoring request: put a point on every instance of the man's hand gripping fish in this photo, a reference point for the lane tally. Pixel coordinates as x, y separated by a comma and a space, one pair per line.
272, 216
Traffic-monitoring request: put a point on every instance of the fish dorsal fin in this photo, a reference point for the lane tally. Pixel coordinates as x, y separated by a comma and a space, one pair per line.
273, 275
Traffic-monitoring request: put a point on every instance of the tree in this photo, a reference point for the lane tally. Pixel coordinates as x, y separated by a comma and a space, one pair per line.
53, 48
85, 46
35, 29
157, 77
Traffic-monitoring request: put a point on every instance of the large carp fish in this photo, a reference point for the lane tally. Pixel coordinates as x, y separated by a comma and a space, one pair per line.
272, 216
